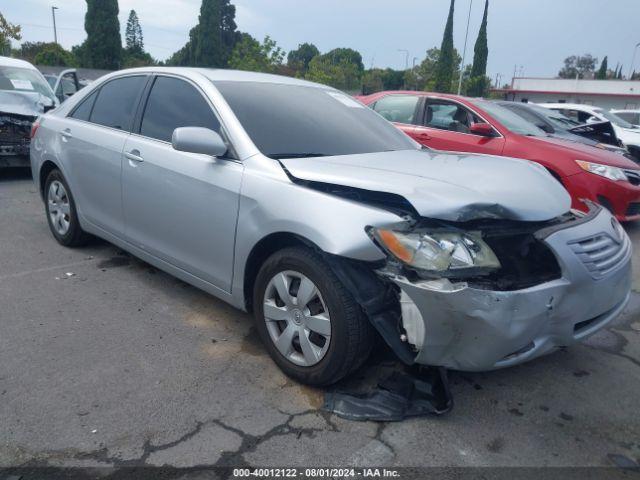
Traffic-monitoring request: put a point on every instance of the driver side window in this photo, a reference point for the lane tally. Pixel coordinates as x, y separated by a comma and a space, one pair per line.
450, 116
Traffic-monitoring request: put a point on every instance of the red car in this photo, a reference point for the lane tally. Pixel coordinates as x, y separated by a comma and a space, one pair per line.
454, 123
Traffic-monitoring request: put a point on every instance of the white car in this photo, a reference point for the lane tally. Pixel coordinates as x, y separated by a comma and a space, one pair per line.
626, 132
631, 116
24, 96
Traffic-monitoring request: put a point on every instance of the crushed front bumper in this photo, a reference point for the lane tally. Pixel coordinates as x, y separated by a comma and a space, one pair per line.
465, 328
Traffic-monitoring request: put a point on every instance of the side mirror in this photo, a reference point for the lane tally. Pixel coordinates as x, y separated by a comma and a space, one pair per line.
483, 129
198, 140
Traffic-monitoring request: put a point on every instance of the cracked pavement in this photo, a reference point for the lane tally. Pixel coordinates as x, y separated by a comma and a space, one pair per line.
106, 361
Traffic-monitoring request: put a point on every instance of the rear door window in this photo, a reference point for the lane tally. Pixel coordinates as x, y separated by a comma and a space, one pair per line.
117, 101
398, 108
175, 103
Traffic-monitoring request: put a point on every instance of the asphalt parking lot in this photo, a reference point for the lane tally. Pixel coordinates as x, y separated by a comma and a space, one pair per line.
105, 360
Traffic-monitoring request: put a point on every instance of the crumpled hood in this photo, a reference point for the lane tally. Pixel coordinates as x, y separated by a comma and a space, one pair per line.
455, 187
31, 104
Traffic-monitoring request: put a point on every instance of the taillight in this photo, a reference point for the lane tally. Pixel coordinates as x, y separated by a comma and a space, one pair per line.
34, 128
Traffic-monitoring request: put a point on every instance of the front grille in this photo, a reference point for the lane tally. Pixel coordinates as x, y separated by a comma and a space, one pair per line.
633, 176
602, 254
633, 209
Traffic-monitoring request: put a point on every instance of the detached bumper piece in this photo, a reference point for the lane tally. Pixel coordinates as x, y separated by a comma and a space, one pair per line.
397, 397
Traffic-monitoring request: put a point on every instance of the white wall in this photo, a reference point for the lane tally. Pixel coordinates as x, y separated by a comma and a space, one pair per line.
602, 101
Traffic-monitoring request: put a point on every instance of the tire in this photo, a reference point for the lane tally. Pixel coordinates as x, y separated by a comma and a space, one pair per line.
61, 212
351, 335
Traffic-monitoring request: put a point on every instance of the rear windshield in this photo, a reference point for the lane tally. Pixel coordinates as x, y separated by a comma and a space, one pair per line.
299, 121
24, 80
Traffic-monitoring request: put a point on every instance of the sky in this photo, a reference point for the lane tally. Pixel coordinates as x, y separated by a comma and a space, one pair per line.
530, 37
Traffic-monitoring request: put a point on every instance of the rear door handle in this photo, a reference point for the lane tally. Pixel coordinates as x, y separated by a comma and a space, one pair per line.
423, 136
66, 134
134, 156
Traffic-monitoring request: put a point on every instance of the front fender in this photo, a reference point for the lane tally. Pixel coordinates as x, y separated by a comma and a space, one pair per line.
271, 203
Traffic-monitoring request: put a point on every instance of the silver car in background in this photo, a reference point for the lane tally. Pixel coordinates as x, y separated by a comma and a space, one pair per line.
293, 201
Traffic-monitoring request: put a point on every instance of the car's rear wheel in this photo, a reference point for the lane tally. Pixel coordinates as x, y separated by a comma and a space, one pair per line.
311, 325
61, 211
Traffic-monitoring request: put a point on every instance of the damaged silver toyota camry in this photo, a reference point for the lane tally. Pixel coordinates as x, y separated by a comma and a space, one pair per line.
293, 201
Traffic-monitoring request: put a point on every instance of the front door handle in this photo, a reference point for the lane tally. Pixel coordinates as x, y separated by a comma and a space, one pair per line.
423, 136
134, 156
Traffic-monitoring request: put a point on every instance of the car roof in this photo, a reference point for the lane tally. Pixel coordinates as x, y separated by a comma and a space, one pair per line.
574, 106
14, 62
219, 74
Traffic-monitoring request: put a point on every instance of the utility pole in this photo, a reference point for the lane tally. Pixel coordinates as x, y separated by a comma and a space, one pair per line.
406, 57
406, 66
464, 50
635, 49
55, 32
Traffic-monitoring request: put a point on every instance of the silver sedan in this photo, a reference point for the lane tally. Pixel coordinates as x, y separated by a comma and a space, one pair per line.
293, 201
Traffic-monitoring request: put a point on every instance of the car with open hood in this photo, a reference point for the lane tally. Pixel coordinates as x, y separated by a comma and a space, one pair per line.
628, 133
293, 201
600, 135
24, 95
460, 124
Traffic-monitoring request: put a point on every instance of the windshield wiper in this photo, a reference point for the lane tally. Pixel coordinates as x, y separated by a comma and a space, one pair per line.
278, 156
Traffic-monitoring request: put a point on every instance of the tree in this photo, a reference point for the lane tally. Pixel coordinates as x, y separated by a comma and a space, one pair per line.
422, 77
103, 46
341, 74
299, 58
346, 55
580, 66
378, 79
445, 67
603, 70
134, 54
54, 55
478, 84
213, 39
8, 32
619, 77
133, 34
251, 55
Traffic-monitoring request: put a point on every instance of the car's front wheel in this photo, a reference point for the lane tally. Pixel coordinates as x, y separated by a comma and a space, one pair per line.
311, 325
61, 211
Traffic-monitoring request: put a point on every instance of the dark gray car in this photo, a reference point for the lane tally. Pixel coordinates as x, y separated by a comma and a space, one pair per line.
557, 125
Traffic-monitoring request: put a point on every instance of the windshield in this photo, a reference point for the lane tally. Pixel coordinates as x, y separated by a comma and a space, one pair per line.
556, 118
613, 118
51, 80
299, 121
510, 120
24, 80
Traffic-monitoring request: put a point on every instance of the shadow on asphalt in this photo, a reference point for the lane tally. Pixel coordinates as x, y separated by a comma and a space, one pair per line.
15, 174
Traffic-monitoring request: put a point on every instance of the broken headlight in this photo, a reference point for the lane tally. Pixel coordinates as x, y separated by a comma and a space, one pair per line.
438, 252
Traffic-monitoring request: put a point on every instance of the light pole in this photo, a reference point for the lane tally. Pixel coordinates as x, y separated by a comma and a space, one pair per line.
635, 49
406, 66
55, 32
406, 57
464, 50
